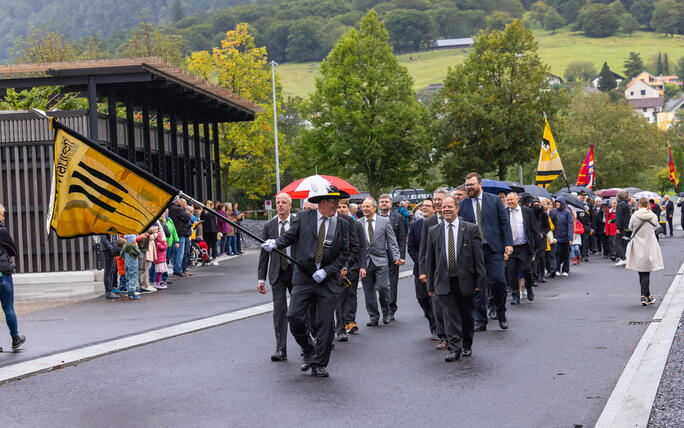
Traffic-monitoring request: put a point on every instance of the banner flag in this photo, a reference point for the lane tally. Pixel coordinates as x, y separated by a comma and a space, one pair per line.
586, 174
95, 191
673, 172
550, 165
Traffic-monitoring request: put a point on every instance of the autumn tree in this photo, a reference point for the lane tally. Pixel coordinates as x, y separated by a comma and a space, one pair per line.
246, 148
148, 40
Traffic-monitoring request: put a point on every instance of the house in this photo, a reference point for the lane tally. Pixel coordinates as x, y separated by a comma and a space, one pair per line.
452, 43
553, 79
618, 79
650, 80
668, 116
672, 80
648, 107
435, 86
640, 90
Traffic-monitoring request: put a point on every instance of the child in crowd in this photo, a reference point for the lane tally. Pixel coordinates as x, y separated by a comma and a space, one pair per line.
160, 266
577, 243
130, 253
143, 266
120, 268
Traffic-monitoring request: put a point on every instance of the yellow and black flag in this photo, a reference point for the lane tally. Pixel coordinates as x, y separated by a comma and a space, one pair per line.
550, 165
95, 191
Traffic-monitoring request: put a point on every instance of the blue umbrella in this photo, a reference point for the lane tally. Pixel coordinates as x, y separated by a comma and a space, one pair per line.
493, 186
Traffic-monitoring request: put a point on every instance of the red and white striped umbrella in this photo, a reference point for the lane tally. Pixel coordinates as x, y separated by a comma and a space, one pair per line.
300, 189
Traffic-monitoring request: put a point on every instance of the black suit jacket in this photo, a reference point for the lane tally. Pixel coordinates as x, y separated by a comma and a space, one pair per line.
669, 208
267, 264
357, 243
469, 260
422, 255
302, 235
531, 226
414, 236
398, 224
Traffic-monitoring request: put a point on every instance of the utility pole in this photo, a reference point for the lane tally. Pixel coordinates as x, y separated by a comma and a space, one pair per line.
275, 126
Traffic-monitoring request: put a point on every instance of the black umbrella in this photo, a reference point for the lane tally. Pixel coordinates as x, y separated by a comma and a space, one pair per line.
537, 191
515, 186
573, 200
359, 197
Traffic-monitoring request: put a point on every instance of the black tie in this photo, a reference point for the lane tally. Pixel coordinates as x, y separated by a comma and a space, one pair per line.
283, 260
452, 252
318, 257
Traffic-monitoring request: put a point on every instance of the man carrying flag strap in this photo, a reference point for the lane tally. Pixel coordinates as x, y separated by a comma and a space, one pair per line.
673, 172
550, 165
586, 174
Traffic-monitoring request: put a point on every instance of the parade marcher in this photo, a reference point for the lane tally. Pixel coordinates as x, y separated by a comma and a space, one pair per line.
345, 313
622, 218
279, 272
488, 213
320, 256
526, 242
669, 212
399, 226
643, 251
455, 268
437, 197
564, 229
544, 228
550, 253
598, 224
460, 193
414, 238
374, 270
8, 250
584, 217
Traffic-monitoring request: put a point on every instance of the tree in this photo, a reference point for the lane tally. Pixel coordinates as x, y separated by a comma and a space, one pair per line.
177, 11
666, 64
148, 40
679, 68
664, 183
626, 146
553, 20
628, 24
43, 45
672, 91
246, 148
364, 118
303, 40
538, 11
498, 20
642, 10
659, 65
598, 20
633, 65
668, 17
410, 30
492, 114
580, 71
606, 80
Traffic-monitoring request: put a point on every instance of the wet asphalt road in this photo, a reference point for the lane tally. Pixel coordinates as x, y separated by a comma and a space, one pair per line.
555, 366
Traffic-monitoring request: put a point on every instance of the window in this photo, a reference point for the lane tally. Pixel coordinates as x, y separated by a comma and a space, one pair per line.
643, 92
631, 93
645, 109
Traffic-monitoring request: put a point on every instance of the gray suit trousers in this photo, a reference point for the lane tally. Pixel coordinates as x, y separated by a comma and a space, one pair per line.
393, 281
377, 279
280, 289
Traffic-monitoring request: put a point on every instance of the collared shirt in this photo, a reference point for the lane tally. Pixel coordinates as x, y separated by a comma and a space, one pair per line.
373, 222
516, 217
447, 225
474, 201
319, 218
287, 223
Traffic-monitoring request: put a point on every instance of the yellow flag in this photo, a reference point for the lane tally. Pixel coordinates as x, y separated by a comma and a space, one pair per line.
95, 191
550, 165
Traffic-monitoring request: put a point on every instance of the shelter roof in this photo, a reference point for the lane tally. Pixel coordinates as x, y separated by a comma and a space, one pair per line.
646, 102
148, 81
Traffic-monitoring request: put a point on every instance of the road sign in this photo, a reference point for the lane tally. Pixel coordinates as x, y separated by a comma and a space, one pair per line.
267, 205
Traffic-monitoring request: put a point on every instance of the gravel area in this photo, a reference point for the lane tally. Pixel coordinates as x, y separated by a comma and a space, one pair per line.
668, 407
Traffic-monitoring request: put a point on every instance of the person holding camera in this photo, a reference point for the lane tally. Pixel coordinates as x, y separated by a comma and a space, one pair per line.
8, 249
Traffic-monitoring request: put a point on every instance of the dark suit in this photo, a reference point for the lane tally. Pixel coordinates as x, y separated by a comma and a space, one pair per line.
497, 236
280, 280
521, 259
424, 300
584, 217
455, 293
599, 226
346, 302
669, 213
303, 237
422, 259
398, 224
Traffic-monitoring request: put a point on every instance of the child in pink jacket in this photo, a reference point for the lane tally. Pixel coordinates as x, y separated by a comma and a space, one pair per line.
160, 262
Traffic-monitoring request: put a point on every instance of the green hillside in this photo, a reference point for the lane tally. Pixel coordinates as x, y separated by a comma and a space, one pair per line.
557, 50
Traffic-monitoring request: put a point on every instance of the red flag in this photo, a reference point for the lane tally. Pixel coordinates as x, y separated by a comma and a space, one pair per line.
586, 174
673, 173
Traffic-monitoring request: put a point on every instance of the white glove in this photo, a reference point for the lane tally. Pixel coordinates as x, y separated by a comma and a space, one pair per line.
319, 275
269, 245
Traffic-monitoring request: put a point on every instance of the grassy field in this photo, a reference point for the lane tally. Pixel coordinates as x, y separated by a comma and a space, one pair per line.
557, 50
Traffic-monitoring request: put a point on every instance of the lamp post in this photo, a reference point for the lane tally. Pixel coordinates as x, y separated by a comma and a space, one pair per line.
275, 126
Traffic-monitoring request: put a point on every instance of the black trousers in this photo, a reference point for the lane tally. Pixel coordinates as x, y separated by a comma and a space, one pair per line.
347, 303
282, 286
325, 301
210, 239
496, 285
585, 243
669, 223
393, 281
519, 262
645, 281
424, 300
563, 257
458, 317
620, 246
109, 278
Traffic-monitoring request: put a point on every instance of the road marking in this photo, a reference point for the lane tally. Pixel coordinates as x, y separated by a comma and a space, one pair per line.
63, 359
632, 399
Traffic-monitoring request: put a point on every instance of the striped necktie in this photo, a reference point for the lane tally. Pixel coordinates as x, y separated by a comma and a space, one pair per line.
318, 256
452, 252
370, 230
479, 218
283, 260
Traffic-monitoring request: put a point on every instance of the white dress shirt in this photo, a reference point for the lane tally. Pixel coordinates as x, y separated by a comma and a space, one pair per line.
287, 250
517, 226
319, 218
373, 223
447, 225
473, 201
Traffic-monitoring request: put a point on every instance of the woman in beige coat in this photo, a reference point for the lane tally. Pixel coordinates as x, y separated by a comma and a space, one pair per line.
643, 250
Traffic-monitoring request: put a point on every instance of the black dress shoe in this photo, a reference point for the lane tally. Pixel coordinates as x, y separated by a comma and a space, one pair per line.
467, 352
503, 324
530, 295
481, 327
319, 371
515, 301
307, 361
391, 317
386, 319
342, 337
453, 356
372, 323
279, 356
